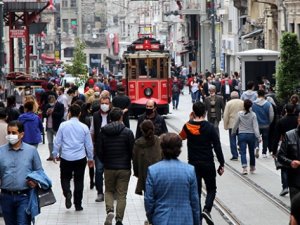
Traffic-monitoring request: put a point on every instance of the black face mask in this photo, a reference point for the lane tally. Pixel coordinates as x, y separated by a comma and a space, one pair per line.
149, 111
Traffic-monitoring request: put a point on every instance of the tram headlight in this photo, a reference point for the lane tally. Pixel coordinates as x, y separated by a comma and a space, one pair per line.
148, 92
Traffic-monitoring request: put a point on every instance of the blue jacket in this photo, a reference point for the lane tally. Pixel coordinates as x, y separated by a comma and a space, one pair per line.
44, 182
171, 195
264, 112
33, 128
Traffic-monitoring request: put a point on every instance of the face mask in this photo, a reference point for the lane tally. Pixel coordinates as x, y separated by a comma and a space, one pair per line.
51, 104
27, 92
12, 138
149, 111
104, 107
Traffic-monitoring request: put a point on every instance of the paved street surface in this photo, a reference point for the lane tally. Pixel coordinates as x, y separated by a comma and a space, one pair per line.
250, 208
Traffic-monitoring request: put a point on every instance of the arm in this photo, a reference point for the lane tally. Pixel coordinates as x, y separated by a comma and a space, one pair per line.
217, 146
164, 128
271, 113
277, 135
138, 132
236, 124
182, 133
41, 127
88, 145
57, 142
149, 197
282, 154
226, 117
255, 127
135, 160
130, 142
194, 198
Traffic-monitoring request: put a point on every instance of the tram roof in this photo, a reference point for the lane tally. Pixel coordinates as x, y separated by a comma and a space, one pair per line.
146, 54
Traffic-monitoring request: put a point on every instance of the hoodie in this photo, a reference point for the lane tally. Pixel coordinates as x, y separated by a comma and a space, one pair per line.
114, 146
249, 94
33, 128
202, 138
264, 112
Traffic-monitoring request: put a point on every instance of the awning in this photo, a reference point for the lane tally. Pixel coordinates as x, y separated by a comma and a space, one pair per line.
252, 34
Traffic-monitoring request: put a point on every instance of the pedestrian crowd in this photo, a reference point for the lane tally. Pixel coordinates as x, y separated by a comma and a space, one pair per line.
92, 129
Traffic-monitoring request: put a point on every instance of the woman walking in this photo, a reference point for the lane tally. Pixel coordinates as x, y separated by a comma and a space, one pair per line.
248, 132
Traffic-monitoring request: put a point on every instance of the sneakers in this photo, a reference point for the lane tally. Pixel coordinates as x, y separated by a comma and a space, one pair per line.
257, 153
234, 159
68, 202
119, 223
146, 222
245, 172
109, 218
100, 198
207, 217
252, 169
284, 192
78, 208
92, 185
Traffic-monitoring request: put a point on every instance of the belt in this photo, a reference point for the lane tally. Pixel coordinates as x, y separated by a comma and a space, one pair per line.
21, 192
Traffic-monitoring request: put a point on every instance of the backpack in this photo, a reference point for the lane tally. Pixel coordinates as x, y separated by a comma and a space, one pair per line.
175, 88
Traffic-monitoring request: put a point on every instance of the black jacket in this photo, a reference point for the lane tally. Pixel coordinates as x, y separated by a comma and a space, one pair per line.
114, 146
122, 101
202, 138
159, 125
289, 151
57, 115
97, 120
283, 125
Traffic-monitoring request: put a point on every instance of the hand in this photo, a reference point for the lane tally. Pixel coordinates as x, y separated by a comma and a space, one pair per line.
295, 164
220, 170
90, 163
125, 110
31, 183
55, 159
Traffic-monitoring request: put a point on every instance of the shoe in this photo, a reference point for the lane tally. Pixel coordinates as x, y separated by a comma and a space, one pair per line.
92, 185
109, 218
50, 159
119, 223
257, 153
264, 156
146, 222
252, 169
207, 217
78, 208
68, 202
100, 198
284, 192
245, 172
234, 159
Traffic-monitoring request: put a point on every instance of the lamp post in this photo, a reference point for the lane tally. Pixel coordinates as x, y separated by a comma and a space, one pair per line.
213, 37
1, 40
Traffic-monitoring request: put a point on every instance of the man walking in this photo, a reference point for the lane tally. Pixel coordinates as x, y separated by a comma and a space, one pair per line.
289, 156
215, 107
114, 148
123, 102
230, 114
265, 114
202, 138
74, 141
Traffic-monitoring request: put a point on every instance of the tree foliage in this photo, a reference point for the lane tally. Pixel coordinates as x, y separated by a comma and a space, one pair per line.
78, 67
288, 68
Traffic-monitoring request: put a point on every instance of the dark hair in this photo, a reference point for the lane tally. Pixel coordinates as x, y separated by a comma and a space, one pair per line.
171, 145
79, 102
75, 110
84, 116
2, 113
250, 85
50, 86
247, 105
295, 208
75, 88
290, 108
115, 114
147, 129
29, 106
16, 123
294, 96
70, 91
261, 93
11, 101
199, 109
50, 97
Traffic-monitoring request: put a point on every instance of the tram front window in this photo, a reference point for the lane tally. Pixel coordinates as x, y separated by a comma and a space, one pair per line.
147, 68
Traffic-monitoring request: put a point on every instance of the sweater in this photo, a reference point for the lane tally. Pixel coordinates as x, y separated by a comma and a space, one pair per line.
246, 123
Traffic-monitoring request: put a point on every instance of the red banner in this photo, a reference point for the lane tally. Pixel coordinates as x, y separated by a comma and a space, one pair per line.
17, 33
116, 44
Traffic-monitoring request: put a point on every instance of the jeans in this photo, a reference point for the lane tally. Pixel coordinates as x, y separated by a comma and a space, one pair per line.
14, 209
284, 178
244, 140
50, 136
68, 169
98, 175
265, 139
175, 100
195, 96
116, 181
233, 145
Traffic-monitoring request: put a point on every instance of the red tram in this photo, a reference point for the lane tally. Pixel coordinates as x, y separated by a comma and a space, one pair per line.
147, 75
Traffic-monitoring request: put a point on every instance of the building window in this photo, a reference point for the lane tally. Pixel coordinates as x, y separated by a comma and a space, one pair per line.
64, 4
229, 26
65, 25
74, 26
292, 27
68, 52
73, 3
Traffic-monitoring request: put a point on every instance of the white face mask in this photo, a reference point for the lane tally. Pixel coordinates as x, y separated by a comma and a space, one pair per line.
104, 107
12, 138
27, 92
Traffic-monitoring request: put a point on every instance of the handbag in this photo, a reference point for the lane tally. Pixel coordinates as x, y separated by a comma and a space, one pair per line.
46, 197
